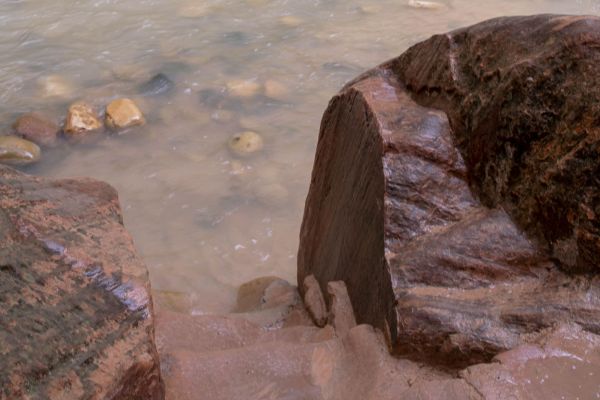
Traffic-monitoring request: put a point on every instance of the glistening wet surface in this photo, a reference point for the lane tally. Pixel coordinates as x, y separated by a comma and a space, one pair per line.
205, 219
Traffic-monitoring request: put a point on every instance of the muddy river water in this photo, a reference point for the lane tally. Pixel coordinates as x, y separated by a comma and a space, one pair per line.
204, 219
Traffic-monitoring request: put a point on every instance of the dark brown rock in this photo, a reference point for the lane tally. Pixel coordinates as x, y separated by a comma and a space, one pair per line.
37, 128
523, 98
437, 225
76, 319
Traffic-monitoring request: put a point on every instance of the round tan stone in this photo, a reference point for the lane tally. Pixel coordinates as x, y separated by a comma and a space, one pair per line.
123, 113
81, 119
246, 143
276, 90
243, 88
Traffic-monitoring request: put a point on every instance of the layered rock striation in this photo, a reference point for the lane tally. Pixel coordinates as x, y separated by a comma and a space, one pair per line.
76, 318
455, 189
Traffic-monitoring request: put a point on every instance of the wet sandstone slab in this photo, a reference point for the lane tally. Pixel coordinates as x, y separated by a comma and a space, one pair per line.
233, 357
76, 319
455, 190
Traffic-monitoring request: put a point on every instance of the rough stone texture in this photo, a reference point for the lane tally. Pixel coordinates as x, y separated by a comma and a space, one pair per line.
76, 319
523, 98
81, 119
464, 237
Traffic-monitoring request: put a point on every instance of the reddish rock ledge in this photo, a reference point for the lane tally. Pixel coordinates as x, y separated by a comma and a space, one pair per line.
455, 190
76, 318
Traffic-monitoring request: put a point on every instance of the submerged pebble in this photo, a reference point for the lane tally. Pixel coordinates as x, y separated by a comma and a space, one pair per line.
237, 168
123, 113
37, 128
369, 9
429, 5
55, 86
81, 119
17, 151
194, 10
246, 143
243, 88
276, 90
158, 84
272, 194
291, 21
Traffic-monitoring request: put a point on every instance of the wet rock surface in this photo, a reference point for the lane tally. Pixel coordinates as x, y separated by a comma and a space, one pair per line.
123, 113
17, 151
81, 119
37, 128
231, 357
76, 318
467, 231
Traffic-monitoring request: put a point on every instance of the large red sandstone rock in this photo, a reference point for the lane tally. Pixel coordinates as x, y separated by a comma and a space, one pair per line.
468, 236
523, 98
76, 319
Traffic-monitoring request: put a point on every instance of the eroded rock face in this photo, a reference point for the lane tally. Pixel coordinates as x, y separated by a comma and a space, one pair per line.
466, 231
523, 98
76, 319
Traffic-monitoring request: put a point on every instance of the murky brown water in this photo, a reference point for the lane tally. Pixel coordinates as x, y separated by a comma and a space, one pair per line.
205, 220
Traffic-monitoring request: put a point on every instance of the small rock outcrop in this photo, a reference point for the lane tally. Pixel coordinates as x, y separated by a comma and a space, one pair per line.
455, 190
76, 317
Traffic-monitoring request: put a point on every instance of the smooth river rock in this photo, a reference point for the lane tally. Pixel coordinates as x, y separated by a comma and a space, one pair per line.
17, 151
455, 190
123, 113
37, 128
76, 316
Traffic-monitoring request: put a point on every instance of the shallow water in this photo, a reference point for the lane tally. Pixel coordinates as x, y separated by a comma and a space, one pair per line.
203, 219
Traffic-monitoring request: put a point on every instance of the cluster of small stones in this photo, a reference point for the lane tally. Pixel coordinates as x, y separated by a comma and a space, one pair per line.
34, 130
